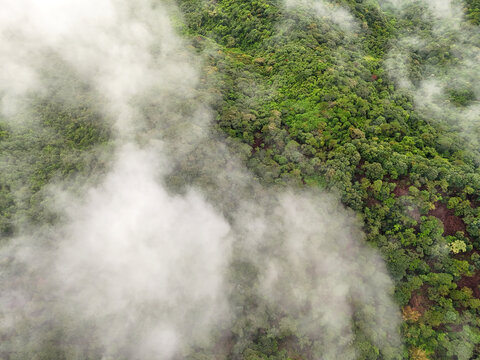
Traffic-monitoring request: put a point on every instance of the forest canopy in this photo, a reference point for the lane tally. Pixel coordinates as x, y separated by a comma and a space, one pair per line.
374, 101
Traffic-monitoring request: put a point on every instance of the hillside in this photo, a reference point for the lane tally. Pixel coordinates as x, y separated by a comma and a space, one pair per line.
372, 104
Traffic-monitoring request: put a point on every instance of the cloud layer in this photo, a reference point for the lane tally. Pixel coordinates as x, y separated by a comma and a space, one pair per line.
445, 51
145, 263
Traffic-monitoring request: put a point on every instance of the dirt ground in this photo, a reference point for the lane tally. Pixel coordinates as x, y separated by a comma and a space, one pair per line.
451, 222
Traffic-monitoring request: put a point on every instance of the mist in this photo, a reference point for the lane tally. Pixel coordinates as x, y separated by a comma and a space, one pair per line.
446, 89
329, 11
162, 248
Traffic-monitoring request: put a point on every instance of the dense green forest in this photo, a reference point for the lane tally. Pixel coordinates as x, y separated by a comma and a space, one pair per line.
311, 104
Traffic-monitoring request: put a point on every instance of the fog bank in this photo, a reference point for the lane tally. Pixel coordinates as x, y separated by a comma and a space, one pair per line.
149, 260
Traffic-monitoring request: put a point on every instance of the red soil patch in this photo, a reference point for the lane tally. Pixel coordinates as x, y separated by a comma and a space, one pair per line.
466, 255
401, 190
419, 300
471, 282
451, 222
358, 174
257, 142
474, 201
455, 328
402, 185
371, 202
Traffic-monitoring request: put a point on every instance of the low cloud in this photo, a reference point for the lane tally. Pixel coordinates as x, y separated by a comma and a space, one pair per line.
327, 10
446, 54
143, 262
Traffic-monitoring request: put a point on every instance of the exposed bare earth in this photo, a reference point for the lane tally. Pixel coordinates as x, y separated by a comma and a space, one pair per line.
419, 300
471, 282
401, 189
451, 222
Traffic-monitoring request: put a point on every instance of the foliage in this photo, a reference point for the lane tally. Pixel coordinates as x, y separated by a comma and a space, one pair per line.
317, 109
